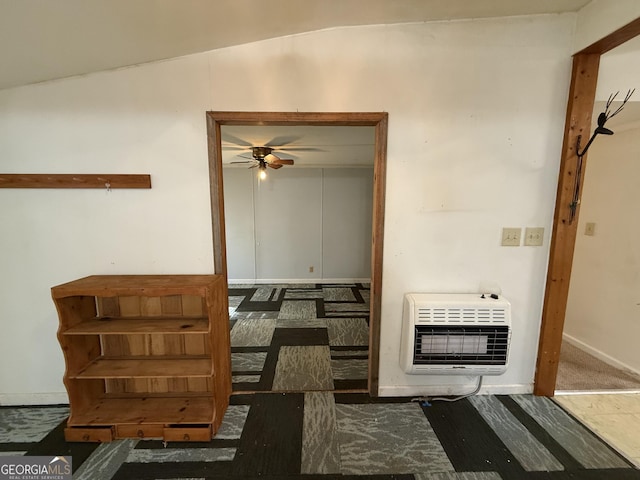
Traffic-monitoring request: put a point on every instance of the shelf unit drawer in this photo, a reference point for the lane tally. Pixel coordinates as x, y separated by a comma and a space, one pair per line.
85, 434
139, 431
187, 434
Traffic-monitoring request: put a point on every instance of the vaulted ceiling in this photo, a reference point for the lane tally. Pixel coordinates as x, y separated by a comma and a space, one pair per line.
42, 40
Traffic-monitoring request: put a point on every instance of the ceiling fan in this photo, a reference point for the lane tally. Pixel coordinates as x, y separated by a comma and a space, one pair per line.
262, 154
263, 158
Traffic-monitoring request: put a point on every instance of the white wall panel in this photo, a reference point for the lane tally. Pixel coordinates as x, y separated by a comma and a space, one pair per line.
239, 223
346, 222
306, 217
289, 224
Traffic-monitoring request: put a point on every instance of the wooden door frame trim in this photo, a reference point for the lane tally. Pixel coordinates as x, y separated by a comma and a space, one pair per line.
582, 92
379, 120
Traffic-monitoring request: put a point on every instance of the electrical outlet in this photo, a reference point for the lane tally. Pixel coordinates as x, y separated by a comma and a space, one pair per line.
311, 269
511, 237
590, 229
533, 236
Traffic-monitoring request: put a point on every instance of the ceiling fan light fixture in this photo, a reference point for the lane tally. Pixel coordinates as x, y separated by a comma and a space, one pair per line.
260, 152
262, 158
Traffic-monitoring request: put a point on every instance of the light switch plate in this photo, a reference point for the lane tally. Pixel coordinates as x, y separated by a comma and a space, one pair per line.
511, 237
533, 236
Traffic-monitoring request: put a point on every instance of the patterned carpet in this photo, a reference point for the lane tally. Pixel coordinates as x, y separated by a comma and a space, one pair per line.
322, 435
299, 338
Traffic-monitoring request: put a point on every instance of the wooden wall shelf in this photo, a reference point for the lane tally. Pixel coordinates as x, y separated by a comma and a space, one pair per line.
107, 181
147, 356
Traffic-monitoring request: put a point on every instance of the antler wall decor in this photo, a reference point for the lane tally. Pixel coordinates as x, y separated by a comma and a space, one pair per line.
600, 129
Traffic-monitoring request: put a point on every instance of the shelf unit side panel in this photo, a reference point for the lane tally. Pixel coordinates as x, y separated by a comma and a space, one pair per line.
217, 306
78, 352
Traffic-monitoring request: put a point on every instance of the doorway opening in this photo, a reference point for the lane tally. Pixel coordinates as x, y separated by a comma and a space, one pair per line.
599, 348
215, 122
580, 107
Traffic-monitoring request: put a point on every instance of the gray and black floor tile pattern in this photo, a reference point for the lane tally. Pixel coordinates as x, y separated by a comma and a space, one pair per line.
309, 337
295, 428
327, 435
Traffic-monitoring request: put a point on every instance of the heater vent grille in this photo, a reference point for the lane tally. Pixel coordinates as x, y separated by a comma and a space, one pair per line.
461, 314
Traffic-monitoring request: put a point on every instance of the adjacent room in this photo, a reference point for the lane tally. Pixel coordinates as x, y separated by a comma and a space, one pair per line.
299, 255
599, 370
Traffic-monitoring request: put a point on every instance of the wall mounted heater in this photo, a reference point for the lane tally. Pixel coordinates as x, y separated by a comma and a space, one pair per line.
455, 334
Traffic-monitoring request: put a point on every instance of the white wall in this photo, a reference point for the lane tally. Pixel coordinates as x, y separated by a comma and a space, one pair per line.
347, 212
603, 310
289, 224
476, 114
299, 218
620, 72
139, 120
239, 218
599, 18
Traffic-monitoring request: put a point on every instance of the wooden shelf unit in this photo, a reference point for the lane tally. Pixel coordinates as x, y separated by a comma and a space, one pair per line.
146, 356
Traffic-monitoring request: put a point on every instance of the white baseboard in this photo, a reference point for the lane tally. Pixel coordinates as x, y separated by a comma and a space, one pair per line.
252, 281
594, 392
598, 354
452, 390
34, 399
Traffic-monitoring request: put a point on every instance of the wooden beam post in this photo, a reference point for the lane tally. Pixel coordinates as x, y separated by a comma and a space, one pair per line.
578, 122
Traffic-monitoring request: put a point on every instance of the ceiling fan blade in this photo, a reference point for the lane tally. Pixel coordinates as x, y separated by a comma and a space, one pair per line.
276, 166
234, 148
226, 137
284, 148
247, 159
281, 161
281, 141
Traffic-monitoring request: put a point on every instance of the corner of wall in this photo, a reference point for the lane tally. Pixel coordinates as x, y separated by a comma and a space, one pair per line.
599, 18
